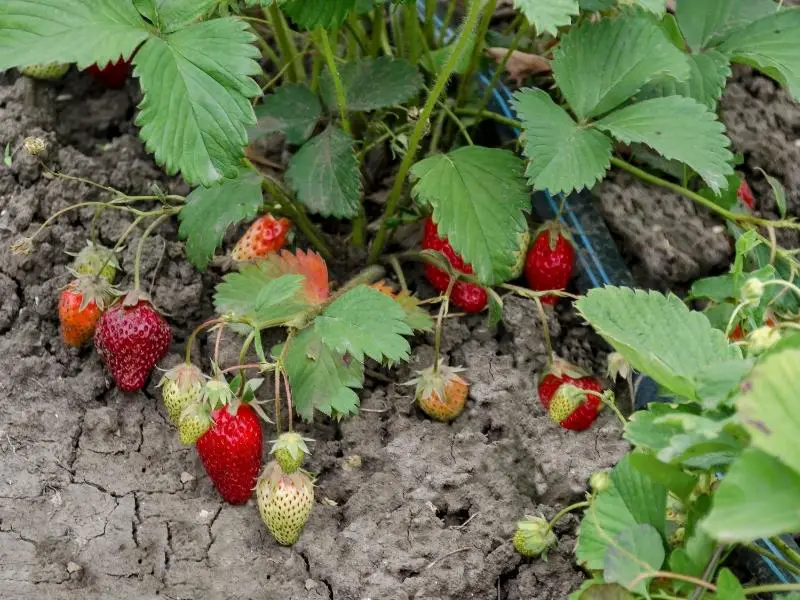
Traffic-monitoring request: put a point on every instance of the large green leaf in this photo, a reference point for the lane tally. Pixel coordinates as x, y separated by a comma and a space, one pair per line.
632, 498
365, 322
563, 155
548, 15
479, 201
637, 551
708, 73
293, 110
678, 128
373, 83
658, 335
196, 88
771, 46
321, 379
325, 175
262, 296
757, 498
210, 211
704, 22
770, 409
626, 53
318, 13
174, 14
728, 587
672, 477
80, 31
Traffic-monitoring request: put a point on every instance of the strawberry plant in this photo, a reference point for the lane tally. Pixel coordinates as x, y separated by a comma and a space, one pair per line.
633, 86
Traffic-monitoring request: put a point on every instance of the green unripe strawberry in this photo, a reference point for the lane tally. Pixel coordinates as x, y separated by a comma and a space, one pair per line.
195, 420
95, 259
48, 72
534, 537
285, 502
290, 451
180, 386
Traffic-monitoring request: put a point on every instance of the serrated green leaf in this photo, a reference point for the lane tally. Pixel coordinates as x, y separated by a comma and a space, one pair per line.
318, 13
365, 322
195, 108
769, 408
563, 155
678, 128
479, 201
210, 211
670, 476
635, 552
293, 110
657, 7
80, 31
645, 498
548, 15
658, 335
778, 192
728, 587
325, 175
261, 295
148, 9
703, 23
174, 14
770, 45
320, 379
617, 509
708, 73
716, 384
416, 317
627, 53
646, 428
757, 498
370, 84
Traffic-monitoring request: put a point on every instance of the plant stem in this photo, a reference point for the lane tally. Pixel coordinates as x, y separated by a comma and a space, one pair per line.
771, 588
278, 400
416, 136
483, 27
137, 265
285, 43
437, 334
461, 127
299, 216
789, 566
564, 511
330, 60
430, 11
378, 30
289, 407
448, 17
790, 552
668, 575
485, 114
398, 272
709, 570
521, 30
195, 333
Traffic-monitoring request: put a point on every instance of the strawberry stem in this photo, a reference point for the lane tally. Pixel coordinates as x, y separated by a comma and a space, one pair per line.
563, 512
459, 47
437, 334
289, 407
278, 401
137, 265
194, 334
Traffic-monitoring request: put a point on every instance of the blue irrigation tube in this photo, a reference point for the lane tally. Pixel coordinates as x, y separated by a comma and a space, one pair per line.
598, 258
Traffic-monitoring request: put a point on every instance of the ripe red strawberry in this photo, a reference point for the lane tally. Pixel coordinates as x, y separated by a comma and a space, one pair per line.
231, 451
745, 194
79, 308
550, 261
264, 236
563, 372
572, 408
113, 75
131, 337
468, 297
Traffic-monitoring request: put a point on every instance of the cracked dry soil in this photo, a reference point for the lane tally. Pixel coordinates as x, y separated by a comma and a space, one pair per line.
98, 501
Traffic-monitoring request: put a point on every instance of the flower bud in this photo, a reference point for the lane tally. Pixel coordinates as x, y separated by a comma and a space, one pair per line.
617, 366
752, 290
763, 339
600, 481
34, 145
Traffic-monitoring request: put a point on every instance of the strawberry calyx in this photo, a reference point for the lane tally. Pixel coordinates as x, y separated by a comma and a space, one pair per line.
290, 451
434, 381
554, 229
563, 368
92, 289
186, 377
